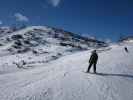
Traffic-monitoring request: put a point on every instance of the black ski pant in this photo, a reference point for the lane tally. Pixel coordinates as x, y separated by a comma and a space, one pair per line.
94, 67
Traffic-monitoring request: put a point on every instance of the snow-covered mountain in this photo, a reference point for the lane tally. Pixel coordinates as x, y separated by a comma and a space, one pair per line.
128, 39
42, 44
29, 38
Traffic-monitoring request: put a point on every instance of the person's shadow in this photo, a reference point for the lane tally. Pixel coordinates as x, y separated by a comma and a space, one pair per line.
117, 75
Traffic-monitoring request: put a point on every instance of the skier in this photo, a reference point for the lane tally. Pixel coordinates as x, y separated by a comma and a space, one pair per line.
93, 61
126, 49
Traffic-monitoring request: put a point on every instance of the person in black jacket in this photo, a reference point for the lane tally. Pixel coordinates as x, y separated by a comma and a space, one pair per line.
126, 49
93, 61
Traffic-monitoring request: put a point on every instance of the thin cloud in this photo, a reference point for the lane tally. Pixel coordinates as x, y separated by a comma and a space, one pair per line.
108, 41
1, 22
54, 3
20, 17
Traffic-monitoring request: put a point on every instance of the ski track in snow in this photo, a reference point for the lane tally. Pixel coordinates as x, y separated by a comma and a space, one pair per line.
64, 79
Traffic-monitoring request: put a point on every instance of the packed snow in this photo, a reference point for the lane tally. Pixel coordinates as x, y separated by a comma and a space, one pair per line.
65, 78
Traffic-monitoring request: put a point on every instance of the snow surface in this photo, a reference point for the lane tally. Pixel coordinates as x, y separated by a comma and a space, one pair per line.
64, 78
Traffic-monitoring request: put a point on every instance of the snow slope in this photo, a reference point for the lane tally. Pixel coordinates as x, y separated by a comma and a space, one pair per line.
25, 47
64, 78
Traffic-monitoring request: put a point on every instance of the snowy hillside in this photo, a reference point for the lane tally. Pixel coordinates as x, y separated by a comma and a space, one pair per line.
25, 47
128, 39
64, 78
6, 30
28, 38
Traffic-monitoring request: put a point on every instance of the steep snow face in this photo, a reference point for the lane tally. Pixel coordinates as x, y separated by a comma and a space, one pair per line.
65, 78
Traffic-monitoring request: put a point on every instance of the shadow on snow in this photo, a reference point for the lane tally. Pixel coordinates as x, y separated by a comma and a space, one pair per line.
120, 75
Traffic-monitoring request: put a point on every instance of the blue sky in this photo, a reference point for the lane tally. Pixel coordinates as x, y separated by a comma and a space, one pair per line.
104, 19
